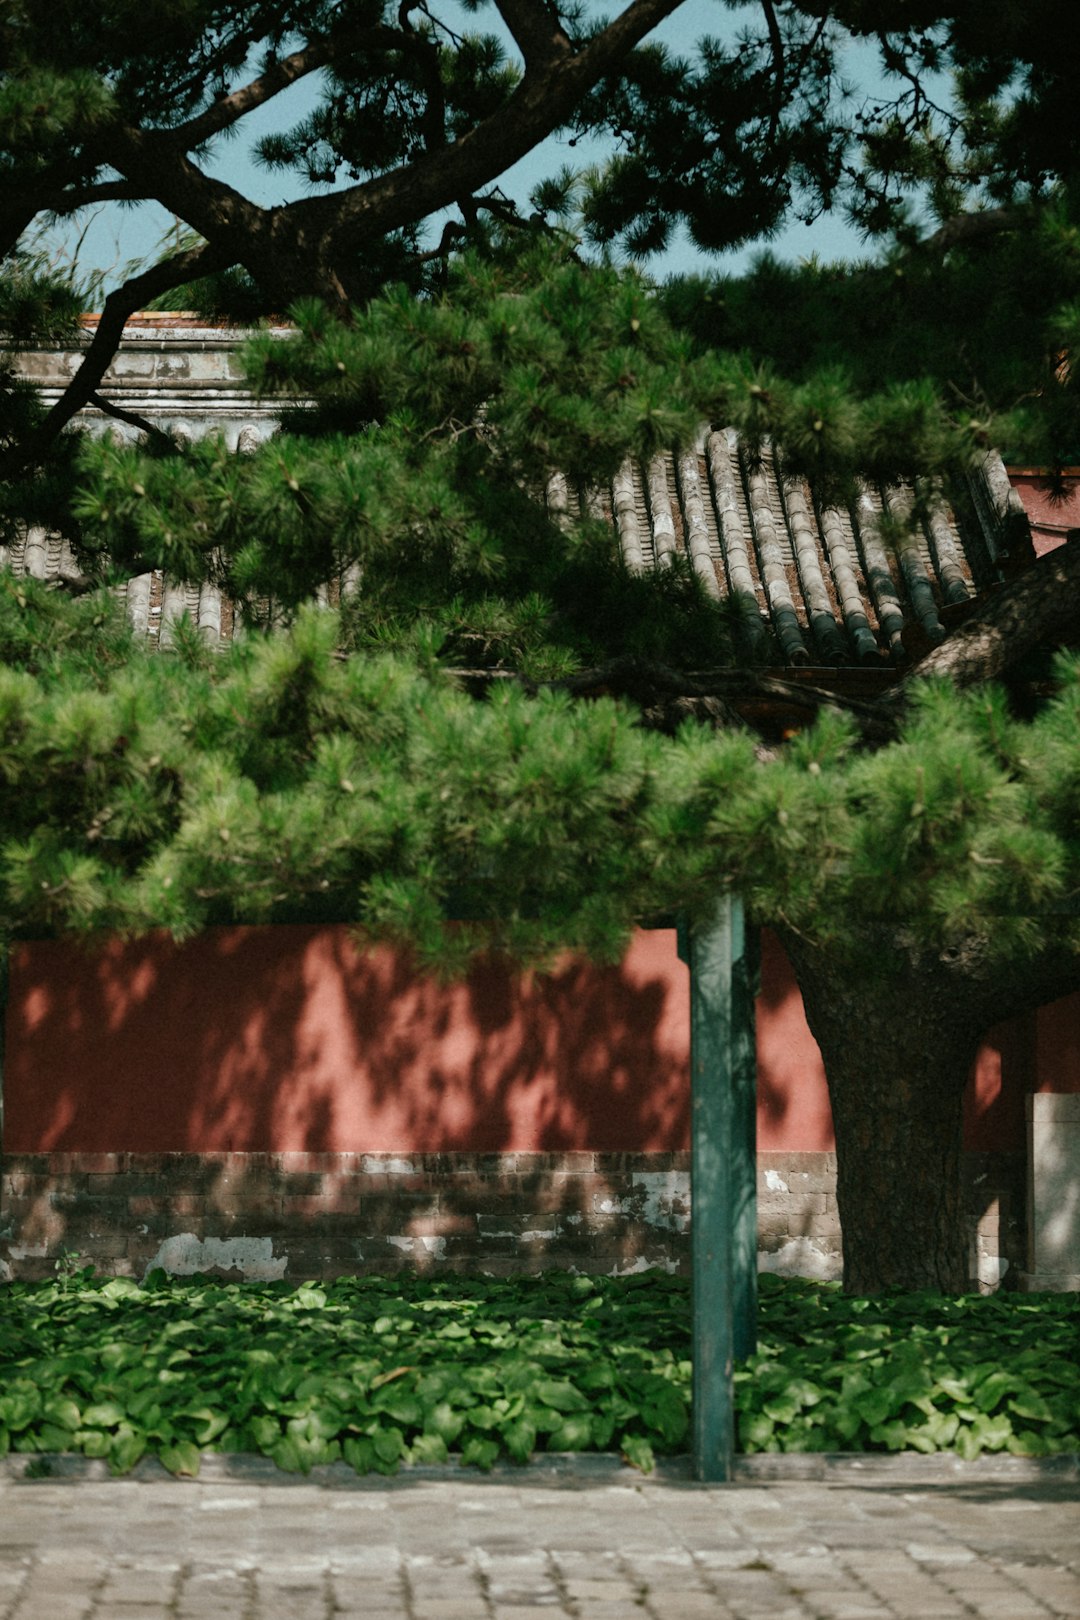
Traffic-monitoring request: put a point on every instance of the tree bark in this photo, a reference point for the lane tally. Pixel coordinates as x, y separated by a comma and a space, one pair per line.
1039, 608
898, 1038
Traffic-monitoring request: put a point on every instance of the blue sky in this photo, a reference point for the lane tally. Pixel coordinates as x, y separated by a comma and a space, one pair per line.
115, 236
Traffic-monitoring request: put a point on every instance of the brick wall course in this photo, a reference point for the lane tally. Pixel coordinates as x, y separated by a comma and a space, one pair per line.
329, 1214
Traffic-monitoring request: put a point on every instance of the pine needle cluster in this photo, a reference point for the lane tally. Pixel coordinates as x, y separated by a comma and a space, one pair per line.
279, 781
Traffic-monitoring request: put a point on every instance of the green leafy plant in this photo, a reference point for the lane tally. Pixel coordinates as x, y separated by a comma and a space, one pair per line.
376, 1371
69, 1269
917, 1372
385, 1371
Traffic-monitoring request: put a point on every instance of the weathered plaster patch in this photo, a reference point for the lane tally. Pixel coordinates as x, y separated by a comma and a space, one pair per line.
657, 1197
641, 1264
6, 1273
372, 1165
802, 1257
252, 1257
433, 1246
991, 1269
28, 1251
667, 1198
775, 1182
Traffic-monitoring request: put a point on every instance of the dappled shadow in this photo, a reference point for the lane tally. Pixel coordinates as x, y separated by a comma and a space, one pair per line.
293, 1039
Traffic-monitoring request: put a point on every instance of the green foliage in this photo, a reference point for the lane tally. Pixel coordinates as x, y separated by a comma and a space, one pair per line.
728, 140
278, 781
376, 1371
915, 352
431, 430
38, 300
438, 428
911, 1372
381, 1371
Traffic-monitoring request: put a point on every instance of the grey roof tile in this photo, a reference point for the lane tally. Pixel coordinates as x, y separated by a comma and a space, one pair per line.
809, 586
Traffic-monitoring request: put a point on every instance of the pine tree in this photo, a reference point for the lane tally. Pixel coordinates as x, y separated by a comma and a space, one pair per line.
422, 761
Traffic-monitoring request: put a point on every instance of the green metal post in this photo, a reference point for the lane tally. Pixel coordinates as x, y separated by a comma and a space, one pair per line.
742, 1059
723, 1175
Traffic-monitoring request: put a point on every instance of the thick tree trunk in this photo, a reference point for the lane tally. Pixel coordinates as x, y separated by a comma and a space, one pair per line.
898, 1046
899, 1028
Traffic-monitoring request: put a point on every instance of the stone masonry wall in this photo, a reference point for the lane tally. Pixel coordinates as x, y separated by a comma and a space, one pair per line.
304, 1215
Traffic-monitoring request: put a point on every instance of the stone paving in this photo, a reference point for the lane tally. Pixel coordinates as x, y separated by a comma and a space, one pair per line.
248, 1545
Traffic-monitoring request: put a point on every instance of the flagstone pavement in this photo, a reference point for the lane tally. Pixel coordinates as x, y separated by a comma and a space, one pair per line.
894, 1540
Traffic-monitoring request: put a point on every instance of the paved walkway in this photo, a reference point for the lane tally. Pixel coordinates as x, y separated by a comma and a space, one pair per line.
244, 1545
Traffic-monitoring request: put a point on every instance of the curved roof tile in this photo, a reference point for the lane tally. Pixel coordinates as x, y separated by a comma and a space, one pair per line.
808, 585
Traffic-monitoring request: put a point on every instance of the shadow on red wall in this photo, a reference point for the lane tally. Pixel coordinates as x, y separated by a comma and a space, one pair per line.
293, 1039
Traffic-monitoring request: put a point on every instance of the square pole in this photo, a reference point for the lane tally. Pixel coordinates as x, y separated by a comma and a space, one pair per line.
723, 1176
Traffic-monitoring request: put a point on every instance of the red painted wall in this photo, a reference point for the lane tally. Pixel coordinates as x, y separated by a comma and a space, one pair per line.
793, 1102
1050, 519
1057, 1046
292, 1039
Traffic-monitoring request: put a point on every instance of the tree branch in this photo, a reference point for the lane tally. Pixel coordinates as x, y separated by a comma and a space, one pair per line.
766, 703
68, 202
540, 104
537, 31
308, 246
776, 45
230, 222
283, 73
108, 408
110, 329
1039, 608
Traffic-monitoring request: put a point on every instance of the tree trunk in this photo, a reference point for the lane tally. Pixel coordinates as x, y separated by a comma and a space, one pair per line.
898, 1047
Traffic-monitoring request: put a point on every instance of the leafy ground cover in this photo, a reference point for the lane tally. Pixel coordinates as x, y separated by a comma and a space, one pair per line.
381, 1371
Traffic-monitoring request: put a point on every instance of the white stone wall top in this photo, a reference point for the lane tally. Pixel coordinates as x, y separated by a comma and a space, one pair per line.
1054, 1107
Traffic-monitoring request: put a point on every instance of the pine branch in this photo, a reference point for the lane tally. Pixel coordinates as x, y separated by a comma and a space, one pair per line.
540, 104
317, 54
721, 697
1040, 608
537, 31
119, 305
220, 214
776, 45
132, 418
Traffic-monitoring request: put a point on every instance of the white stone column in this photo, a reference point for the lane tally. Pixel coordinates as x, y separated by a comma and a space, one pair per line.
1053, 1191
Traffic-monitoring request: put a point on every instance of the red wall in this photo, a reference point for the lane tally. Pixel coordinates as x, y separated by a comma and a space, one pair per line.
1050, 519
1057, 1046
292, 1039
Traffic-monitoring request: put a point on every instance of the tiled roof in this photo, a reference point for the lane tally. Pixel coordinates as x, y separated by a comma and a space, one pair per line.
810, 586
